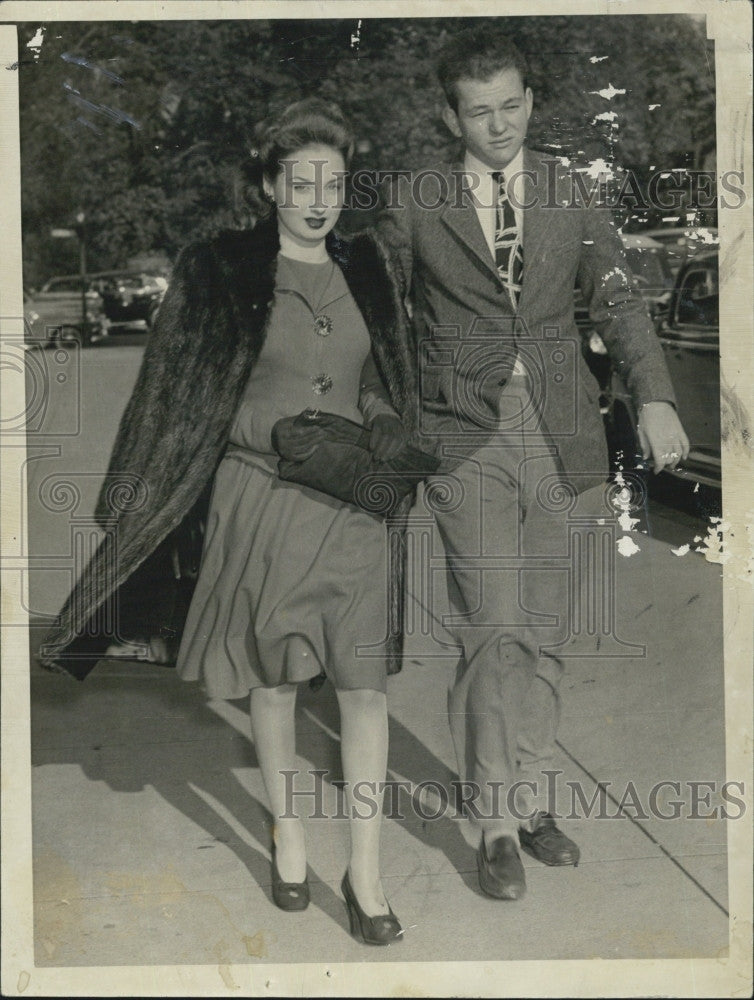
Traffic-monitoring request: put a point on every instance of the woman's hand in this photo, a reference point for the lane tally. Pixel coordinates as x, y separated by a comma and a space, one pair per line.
294, 440
388, 437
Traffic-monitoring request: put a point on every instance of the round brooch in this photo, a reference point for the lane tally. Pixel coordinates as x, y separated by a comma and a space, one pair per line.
322, 325
322, 384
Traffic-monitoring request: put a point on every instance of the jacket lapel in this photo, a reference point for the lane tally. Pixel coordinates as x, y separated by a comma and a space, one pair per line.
537, 219
459, 215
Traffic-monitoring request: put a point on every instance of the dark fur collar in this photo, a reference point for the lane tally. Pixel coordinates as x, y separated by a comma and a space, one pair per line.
247, 260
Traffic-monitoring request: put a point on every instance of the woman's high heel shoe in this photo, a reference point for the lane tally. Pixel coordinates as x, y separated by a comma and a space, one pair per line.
382, 929
288, 895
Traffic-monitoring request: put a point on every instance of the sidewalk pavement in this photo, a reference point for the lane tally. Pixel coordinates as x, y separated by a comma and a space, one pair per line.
151, 836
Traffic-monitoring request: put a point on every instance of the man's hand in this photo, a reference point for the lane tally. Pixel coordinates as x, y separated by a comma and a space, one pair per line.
662, 436
388, 437
294, 440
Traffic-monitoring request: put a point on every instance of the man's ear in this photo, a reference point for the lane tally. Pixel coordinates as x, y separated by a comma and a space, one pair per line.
529, 97
451, 120
268, 188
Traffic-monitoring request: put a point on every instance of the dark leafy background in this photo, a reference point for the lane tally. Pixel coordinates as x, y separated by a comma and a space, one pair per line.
147, 126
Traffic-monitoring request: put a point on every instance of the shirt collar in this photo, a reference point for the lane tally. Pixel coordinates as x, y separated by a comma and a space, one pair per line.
473, 165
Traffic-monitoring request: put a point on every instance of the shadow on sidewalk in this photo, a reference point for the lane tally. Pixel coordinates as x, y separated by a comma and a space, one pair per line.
408, 760
131, 731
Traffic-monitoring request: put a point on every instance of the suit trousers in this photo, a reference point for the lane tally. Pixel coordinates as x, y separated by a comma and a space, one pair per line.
504, 703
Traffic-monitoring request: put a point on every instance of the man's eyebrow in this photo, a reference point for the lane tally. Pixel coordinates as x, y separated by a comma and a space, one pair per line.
486, 107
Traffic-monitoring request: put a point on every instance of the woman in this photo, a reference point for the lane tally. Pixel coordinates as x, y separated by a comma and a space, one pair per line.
257, 327
291, 581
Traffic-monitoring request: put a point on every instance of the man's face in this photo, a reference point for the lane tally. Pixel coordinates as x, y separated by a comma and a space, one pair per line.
492, 116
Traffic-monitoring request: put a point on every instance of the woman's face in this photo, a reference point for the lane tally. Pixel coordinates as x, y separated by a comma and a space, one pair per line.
308, 192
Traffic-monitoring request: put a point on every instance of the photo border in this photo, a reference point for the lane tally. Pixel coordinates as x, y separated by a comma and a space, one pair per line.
729, 24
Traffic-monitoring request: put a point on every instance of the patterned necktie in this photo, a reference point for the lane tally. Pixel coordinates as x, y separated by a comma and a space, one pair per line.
509, 254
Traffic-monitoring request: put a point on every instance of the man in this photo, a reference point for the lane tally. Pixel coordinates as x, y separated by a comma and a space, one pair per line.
487, 252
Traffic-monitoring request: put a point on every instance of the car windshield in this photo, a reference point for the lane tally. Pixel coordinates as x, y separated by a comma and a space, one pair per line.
63, 285
699, 297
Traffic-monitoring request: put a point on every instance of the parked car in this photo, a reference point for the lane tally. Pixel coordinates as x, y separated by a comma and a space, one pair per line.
53, 314
684, 242
690, 339
131, 298
650, 266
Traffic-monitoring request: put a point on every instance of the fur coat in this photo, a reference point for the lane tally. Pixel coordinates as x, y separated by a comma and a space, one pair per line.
207, 337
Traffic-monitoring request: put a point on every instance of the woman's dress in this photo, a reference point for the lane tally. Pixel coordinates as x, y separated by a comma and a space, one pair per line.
292, 583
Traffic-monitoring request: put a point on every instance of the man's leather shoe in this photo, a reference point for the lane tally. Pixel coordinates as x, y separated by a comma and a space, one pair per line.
548, 844
501, 873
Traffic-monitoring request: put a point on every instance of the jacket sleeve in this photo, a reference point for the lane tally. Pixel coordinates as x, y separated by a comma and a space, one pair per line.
618, 311
157, 402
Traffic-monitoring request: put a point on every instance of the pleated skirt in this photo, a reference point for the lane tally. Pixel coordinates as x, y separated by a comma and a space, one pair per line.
292, 583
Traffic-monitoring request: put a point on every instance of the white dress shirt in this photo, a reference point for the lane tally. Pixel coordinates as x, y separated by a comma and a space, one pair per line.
484, 196
484, 193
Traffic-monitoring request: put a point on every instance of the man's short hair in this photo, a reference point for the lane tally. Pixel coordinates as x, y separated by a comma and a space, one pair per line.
477, 53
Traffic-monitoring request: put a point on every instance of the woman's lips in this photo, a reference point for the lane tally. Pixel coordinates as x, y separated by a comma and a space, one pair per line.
315, 223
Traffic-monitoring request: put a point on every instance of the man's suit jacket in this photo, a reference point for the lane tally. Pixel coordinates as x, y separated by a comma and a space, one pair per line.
467, 331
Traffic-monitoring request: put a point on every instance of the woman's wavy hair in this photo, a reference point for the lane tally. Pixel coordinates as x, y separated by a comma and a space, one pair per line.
309, 122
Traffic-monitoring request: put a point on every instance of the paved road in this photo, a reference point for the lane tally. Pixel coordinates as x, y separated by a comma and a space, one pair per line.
77, 397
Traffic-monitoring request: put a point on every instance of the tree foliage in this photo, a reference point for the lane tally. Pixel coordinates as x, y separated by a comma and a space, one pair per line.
146, 126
